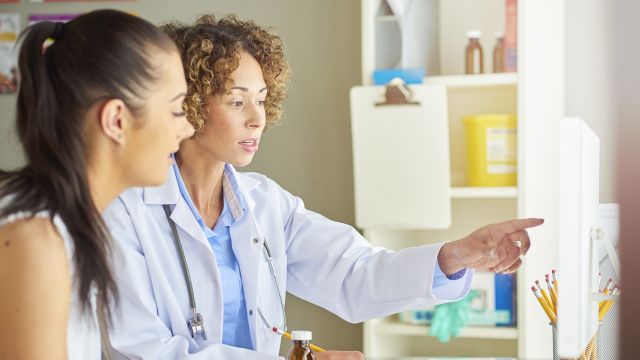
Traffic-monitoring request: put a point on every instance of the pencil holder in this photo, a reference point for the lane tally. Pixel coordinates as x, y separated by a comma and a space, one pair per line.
589, 353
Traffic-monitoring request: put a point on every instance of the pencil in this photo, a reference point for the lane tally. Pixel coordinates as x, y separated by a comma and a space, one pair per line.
609, 303
607, 288
315, 348
603, 303
554, 295
554, 274
545, 297
604, 309
547, 310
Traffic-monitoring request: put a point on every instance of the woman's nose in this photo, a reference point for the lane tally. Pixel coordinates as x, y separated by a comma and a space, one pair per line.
257, 117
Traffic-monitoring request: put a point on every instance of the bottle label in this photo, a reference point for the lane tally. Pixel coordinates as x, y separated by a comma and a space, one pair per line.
501, 150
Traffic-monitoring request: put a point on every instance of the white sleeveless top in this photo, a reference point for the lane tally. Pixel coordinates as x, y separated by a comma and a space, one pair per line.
83, 333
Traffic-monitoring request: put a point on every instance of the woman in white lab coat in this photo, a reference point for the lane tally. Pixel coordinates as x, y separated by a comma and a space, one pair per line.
246, 241
96, 114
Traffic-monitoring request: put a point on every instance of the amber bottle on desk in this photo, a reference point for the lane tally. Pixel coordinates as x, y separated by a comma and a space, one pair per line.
301, 349
474, 62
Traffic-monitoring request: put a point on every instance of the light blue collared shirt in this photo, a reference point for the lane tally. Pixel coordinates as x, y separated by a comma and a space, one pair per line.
440, 279
235, 328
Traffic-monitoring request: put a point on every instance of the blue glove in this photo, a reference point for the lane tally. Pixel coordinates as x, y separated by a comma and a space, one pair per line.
448, 319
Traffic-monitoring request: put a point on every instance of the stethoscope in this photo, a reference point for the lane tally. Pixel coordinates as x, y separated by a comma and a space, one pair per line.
196, 323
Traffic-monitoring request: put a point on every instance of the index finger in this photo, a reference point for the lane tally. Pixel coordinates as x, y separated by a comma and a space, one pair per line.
514, 225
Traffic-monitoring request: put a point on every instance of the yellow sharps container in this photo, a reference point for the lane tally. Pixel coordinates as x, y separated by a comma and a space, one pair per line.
491, 150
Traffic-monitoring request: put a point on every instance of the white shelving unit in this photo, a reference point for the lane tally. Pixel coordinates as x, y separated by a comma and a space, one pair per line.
536, 95
506, 192
473, 332
481, 80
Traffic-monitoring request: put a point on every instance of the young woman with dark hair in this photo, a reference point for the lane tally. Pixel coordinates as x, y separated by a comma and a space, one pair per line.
98, 110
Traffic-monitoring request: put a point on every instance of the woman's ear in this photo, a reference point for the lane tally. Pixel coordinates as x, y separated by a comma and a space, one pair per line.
114, 120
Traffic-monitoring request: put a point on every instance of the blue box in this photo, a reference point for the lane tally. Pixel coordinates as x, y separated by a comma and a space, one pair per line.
505, 293
494, 305
409, 76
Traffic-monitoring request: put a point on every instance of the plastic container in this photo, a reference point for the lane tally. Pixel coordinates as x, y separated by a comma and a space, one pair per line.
491, 150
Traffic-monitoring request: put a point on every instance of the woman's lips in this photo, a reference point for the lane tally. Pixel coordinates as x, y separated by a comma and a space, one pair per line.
249, 145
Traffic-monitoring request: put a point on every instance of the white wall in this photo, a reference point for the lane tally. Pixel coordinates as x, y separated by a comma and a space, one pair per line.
310, 154
589, 83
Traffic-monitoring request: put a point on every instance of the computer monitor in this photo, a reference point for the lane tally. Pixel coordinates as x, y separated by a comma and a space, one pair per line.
578, 256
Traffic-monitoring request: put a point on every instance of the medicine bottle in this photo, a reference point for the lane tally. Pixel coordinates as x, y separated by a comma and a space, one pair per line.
300, 349
498, 53
474, 63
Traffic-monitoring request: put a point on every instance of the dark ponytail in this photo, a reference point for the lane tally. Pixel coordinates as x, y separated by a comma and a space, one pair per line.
100, 55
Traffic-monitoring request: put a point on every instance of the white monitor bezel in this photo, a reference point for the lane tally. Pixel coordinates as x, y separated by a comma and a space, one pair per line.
578, 216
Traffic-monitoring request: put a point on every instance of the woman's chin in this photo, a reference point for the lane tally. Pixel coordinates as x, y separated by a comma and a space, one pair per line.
241, 162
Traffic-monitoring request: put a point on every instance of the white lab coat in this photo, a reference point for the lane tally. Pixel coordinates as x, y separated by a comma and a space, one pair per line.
327, 263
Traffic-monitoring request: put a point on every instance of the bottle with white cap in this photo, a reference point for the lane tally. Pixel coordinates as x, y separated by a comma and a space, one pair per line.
474, 62
301, 349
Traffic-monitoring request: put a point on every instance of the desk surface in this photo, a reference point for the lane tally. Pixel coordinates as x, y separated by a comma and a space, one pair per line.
450, 358
444, 358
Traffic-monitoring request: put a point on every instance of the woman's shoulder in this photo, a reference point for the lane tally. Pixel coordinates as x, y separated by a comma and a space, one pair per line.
31, 239
33, 252
34, 269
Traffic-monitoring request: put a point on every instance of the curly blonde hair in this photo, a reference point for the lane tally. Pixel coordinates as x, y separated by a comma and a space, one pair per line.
210, 51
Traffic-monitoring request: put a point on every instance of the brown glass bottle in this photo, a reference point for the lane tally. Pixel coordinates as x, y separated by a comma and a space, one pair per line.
498, 54
474, 62
301, 349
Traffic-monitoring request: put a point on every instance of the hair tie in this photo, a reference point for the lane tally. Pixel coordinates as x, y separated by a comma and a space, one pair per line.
58, 31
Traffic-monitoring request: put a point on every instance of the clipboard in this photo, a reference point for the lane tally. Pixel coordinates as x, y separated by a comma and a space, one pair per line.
401, 158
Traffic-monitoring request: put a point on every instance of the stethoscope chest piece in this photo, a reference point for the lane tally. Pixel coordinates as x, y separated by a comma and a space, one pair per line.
196, 326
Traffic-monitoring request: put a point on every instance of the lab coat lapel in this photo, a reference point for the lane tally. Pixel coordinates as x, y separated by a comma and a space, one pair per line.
169, 194
247, 243
184, 219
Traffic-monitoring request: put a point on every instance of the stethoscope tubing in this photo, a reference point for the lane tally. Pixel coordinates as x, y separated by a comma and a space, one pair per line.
275, 280
187, 276
183, 260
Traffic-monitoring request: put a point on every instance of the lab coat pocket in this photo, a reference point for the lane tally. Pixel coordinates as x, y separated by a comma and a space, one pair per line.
269, 297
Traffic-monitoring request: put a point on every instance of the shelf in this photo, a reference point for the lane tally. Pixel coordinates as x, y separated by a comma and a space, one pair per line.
481, 80
484, 192
477, 332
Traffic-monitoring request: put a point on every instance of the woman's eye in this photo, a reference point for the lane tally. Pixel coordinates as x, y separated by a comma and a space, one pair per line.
261, 102
236, 103
180, 114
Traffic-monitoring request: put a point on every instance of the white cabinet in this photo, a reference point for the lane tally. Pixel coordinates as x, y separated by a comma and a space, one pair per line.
536, 95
